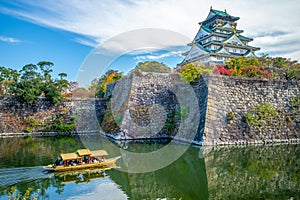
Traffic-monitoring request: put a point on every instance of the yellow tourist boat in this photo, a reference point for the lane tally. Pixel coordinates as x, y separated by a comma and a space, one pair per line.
82, 159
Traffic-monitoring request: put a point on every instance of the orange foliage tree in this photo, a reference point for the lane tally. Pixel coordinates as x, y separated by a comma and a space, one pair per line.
98, 86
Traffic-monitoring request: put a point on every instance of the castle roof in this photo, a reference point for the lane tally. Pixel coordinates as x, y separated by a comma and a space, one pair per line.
201, 47
223, 14
219, 13
245, 38
206, 28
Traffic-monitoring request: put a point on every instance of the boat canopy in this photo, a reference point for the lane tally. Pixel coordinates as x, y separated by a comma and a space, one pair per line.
69, 156
83, 152
98, 153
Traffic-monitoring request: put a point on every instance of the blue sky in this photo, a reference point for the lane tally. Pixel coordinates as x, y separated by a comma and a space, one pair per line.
66, 32
22, 42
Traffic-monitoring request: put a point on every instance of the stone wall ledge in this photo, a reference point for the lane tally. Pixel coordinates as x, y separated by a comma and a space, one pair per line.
118, 137
276, 141
47, 134
239, 78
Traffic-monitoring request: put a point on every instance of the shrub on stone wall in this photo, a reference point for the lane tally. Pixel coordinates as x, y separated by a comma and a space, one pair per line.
295, 102
255, 72
237, 64
59, 120
230, 116
221, 69
64, 128
262, 115
169, 127
245, 67
183, 113
108, 122
283, 68
190, 72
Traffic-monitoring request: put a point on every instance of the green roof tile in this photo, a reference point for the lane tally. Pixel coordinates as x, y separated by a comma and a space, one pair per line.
218, 12
222, 13
243, 37
206, 29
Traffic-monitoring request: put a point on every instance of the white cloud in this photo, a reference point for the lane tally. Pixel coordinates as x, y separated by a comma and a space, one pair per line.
147, 39
279, 45
9, 39
158, 56
100, 20
104, 190
86, 42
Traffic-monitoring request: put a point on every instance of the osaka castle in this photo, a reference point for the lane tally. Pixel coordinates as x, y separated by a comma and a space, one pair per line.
218, 40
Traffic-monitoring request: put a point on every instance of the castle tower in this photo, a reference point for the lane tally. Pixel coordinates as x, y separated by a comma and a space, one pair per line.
218, 40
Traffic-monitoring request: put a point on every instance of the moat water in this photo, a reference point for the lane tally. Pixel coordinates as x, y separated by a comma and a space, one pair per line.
235, 172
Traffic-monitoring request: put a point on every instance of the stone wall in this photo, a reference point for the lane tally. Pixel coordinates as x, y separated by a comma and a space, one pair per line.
151, 105
146, 104
154, 105
217, 96
241, 95
17, 117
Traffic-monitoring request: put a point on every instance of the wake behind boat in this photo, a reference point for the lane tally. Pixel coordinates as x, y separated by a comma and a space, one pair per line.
82, 159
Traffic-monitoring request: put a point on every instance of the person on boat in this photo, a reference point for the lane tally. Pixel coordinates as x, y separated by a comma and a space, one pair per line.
73, 163
57, 162
85, 160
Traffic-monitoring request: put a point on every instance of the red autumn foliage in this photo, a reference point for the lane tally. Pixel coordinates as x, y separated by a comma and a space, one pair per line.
256, 72
220, 69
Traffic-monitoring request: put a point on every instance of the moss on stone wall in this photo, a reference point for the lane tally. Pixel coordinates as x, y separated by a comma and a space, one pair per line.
262, 115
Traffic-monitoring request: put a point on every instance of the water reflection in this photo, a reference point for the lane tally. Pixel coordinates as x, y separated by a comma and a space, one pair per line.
253, 172
183, 179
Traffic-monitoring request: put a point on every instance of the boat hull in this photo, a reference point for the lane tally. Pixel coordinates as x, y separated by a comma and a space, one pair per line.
106, 163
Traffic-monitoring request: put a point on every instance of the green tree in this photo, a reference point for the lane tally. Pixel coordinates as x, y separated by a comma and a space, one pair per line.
53, 89
8, 78
153, 66
293, 72
46, 70
36, 80
29, 88
283, 68
191, 71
